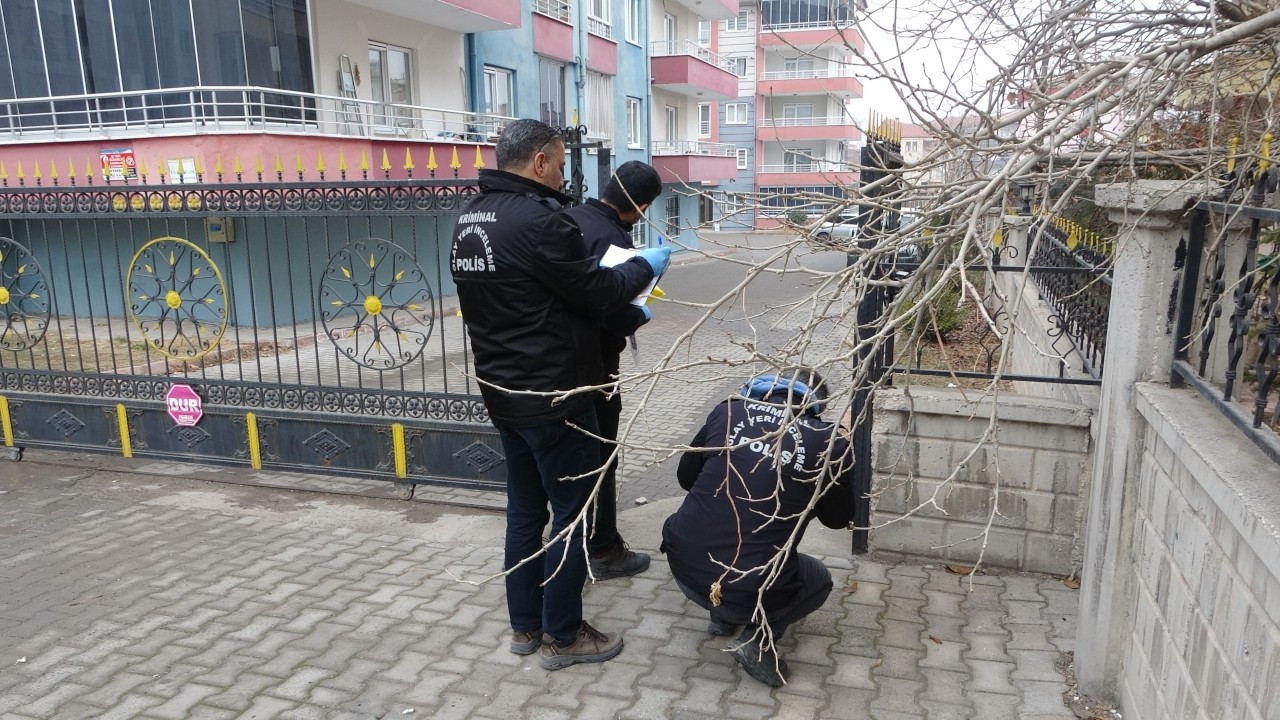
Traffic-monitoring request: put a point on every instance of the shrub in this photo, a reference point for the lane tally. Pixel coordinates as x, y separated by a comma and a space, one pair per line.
942, 317
797, 217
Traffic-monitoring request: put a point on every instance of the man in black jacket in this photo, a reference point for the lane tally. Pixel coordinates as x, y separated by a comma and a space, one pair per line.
532, 298
605, 223
758, 463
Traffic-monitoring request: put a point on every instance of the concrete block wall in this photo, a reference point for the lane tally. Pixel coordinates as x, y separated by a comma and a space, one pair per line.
1205, 614
926, 446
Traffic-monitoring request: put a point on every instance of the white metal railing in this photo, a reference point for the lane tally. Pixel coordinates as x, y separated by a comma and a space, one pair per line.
828, 24
558, 9
596, 26
809, 74
808, 167
844, 120
221, 109
694, 147
668, 48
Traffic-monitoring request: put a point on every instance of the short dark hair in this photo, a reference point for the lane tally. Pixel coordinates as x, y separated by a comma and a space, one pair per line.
633, 184
521, 140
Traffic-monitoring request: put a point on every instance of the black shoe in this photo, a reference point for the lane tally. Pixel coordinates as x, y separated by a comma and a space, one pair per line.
619, 561
763, 665
719, 628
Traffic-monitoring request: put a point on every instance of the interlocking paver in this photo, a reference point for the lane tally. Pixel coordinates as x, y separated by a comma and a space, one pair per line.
214, 614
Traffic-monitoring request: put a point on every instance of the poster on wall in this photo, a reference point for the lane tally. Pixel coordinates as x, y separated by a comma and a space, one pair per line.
118, 164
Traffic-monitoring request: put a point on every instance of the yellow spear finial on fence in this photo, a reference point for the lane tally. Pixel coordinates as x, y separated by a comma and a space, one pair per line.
479, 159
364, 164
36, 172
53, 172
342, 165
71, 171
386, 162
408, 161
4, 174
320, 166
298, 165
431, 161
454, 163
1231, 156
1265, 162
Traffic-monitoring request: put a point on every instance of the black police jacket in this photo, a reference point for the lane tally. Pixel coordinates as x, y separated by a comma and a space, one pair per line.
745, 502
532, 298
601, 227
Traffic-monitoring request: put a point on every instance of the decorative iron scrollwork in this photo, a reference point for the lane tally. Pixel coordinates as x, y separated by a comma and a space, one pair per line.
177, 298
24, 298
376, 304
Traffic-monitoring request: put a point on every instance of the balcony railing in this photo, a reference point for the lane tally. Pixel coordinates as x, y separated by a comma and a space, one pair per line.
599, 27
558, 9
806, 121
808, 74
223, 109
784, 25
694, 147
668, 48
808, 167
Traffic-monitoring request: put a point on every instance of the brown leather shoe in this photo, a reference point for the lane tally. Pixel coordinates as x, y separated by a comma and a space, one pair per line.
590, 646
526, 643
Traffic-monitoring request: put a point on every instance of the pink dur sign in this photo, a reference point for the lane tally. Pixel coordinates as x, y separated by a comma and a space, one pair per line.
184, 405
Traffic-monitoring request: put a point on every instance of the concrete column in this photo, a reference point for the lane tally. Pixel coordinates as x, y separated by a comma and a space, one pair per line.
1139, 349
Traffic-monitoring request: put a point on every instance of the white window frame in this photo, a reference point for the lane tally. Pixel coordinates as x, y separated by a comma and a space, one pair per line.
704, 120
635, 13
671, 121
739, 64
494, 77
635, 123
704, 32
741, 23
600, 122
799, 160
735, 114
744, 158
384, 116
600, 18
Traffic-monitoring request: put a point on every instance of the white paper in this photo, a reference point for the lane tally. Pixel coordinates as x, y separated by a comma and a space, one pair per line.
616, 256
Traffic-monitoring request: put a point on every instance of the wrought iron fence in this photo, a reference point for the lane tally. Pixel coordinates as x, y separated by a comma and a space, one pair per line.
1071, 267
1228, 320
311, 317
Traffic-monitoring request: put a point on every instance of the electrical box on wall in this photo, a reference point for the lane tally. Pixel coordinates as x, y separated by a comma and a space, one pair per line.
219, 229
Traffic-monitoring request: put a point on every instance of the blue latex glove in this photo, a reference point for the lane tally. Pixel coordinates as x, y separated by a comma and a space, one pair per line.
658, 258
647, 314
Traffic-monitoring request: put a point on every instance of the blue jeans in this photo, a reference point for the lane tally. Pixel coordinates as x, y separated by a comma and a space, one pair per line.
538, 457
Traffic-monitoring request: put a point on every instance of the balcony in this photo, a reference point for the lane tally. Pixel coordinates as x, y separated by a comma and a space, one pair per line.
695, 161
711, 9
465, 16
222, 110
836, 127
810, 35
834, 81
555, 9
553, 29
813, 173
685, 67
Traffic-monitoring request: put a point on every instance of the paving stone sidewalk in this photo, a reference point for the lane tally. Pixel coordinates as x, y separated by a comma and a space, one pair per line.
123, 597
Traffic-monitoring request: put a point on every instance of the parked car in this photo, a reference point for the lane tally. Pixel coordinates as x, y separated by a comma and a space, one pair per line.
842, 231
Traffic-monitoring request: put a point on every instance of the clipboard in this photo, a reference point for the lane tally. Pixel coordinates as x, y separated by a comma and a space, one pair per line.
616, 256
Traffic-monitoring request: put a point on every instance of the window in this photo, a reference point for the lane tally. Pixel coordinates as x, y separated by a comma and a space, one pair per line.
634, 18
704, 119
499, 98
738, 24
735, 114
672, 219
704, 32
743, 159
600, 18
391, 84
911, 145
738, 66
672, 117
599, 120
798, 160
635, 136
551, 93
797, 114
798, 68
706, 210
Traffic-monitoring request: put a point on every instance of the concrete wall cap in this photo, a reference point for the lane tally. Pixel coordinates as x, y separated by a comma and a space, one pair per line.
1012, 407
1146, 196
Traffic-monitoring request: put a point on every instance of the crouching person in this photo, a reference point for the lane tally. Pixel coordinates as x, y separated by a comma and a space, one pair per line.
757, 464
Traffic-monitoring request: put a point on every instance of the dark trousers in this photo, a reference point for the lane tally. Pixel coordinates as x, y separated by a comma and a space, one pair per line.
605, 536
815, 581
538, 458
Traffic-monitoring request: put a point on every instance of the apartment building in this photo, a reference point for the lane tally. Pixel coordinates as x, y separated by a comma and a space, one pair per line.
792, 123
176, 84
689, 77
